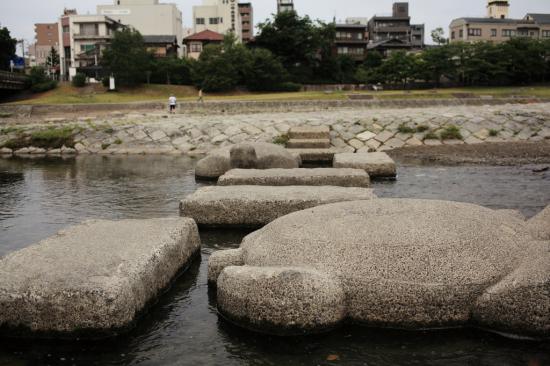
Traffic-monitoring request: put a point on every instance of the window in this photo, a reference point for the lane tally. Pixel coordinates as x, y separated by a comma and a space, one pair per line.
474, 32
214, 20
461, 34
493, 32
196, 47
87, 47
452, 35
349, 35
199, 21
66, 29
546, 33
508, 32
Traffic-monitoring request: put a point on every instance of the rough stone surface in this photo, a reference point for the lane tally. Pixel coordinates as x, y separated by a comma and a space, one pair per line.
296, 177
253, 206
399, 262
309, 132
93, 278
269, 156
376, 164
540, 225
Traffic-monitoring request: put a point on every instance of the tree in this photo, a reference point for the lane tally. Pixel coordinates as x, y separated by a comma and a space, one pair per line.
52, 61
438, 36
7, 48
171, 70
373, 59
400, 67
265, 72
127, 57
213, 72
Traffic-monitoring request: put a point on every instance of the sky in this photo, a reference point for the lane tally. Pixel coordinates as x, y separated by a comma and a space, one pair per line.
21, 15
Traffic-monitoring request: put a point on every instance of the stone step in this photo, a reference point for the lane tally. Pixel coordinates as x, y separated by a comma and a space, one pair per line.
376, 164
256, 206
95, 278
308, 144
316, 155
309, 132
296, 177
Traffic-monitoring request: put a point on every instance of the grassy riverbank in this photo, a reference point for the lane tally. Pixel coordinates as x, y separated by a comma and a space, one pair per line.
66, 94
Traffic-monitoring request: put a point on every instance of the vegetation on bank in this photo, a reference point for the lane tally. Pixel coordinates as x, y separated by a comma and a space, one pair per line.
50, 138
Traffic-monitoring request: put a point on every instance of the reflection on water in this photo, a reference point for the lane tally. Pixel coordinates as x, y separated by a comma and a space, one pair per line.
38, 197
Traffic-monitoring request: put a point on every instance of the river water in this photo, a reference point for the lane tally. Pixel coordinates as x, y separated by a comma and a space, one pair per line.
39, 197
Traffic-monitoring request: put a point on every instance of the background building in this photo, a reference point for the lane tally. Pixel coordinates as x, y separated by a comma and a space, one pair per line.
247, 17
46, 37
351, 40
149, 17
498, 9
219, 16
285, 5
194, 44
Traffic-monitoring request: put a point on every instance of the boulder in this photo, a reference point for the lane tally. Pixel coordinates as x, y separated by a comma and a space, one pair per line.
296, 177
243, 156
255, 206
268, 156
540, 225
376, 164
400, 263
93, 279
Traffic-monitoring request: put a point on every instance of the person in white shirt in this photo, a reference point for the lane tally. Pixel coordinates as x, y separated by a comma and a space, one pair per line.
172, 101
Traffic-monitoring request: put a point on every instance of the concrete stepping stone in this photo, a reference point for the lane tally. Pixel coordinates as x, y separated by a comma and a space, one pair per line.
255, 206
315, 155
308, 144
296, 177
93, 279
376, 164
309, 132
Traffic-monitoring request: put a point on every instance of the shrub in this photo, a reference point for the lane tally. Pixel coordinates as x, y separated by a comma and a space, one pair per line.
281, 140
79, 80
53, 138
422, 128
106, 81
451, 133
493, 133
118, 142
43, 87
431, 136
403, 128
287, 87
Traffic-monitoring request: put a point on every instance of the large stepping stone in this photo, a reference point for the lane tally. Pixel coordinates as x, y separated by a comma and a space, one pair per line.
308, 144
397, 263
296, 177
316, 155
310, 132
376, 164
255, 206
93, 279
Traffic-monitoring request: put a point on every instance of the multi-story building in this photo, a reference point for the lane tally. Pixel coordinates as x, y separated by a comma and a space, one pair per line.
82, 39
247, 17
285, 5
149, 17
162, 46
351, 40
395, 31
497, 27
46, 37
195, 43
219, 16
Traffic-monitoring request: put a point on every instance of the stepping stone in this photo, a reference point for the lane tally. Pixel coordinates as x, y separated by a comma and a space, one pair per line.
296, 177
315, 155
308, 144
376, 164
93, 279
255, 206
309, 132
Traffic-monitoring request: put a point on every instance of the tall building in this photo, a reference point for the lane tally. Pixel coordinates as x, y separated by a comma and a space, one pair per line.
498, 9
149, 17
395, 32
247, 17
219, 16
285, 5
46, 37
351, 40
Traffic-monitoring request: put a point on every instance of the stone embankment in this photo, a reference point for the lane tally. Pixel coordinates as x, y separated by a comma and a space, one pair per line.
359, 129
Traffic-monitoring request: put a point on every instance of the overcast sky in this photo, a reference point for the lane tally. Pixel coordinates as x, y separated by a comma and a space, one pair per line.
20, 15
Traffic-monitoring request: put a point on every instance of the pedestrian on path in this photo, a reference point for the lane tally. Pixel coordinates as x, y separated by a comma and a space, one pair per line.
172, 101
200, 96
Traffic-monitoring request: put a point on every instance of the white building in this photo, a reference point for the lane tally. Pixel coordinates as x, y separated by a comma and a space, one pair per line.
220, 16
149, 17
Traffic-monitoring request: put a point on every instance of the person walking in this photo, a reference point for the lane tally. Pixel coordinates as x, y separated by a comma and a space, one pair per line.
172, 102
200, 96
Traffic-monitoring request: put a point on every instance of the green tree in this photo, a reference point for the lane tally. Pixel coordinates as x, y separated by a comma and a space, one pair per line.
373, 59
171, 70
52, 60
265, 72
7, 48
438, 36
213, 72
437, 63
127, 58
400, 67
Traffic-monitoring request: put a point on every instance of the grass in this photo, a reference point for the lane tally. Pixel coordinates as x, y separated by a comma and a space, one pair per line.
51, 138
8, 130
422, 128
281, 140
5, 115
493, 132
451, 132
403, 128
67, 94
431, 136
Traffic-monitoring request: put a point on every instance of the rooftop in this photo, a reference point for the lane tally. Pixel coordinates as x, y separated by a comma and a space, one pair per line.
206, 35
160, 39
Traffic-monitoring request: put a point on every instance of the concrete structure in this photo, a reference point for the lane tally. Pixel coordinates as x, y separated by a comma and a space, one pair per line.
149, 17
285, 5
247, 17
255, 206
397, 263
162, 46
195, 43
220, 16
395, 32
296, 177
351, 40
498, 9
83, 39
376, 164
93, 279
46, 37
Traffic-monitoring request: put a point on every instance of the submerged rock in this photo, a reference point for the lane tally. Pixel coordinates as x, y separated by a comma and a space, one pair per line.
399, 263
92, 279
268, 156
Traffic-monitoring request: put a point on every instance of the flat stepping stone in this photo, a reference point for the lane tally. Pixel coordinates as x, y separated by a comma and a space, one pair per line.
296, 177
376, 164
309, 132
308, 144
93, 279
255, 206
315, 155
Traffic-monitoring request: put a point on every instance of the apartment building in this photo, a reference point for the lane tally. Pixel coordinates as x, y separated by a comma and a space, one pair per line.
351, 40
497, 27
46, 37
219, 16
395, 31
247, 17
285, 5
82, 39
149, 17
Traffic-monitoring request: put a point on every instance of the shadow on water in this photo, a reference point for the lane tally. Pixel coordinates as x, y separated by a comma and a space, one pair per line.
38, 197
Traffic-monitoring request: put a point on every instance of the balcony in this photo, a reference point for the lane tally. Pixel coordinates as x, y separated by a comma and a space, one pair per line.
84, 37
350, 41
392, 29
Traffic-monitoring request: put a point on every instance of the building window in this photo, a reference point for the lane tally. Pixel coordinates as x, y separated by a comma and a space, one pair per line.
214, 20
493, 32
66, 29
199, 21
474, 32
546, 33
461, 34
196, 47
87, 47
508, 32
452, 35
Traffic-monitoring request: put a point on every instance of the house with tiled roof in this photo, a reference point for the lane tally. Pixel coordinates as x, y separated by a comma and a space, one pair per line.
195, 43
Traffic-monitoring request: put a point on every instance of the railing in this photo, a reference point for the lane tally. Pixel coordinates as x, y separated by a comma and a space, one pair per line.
12, 81
93, 36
